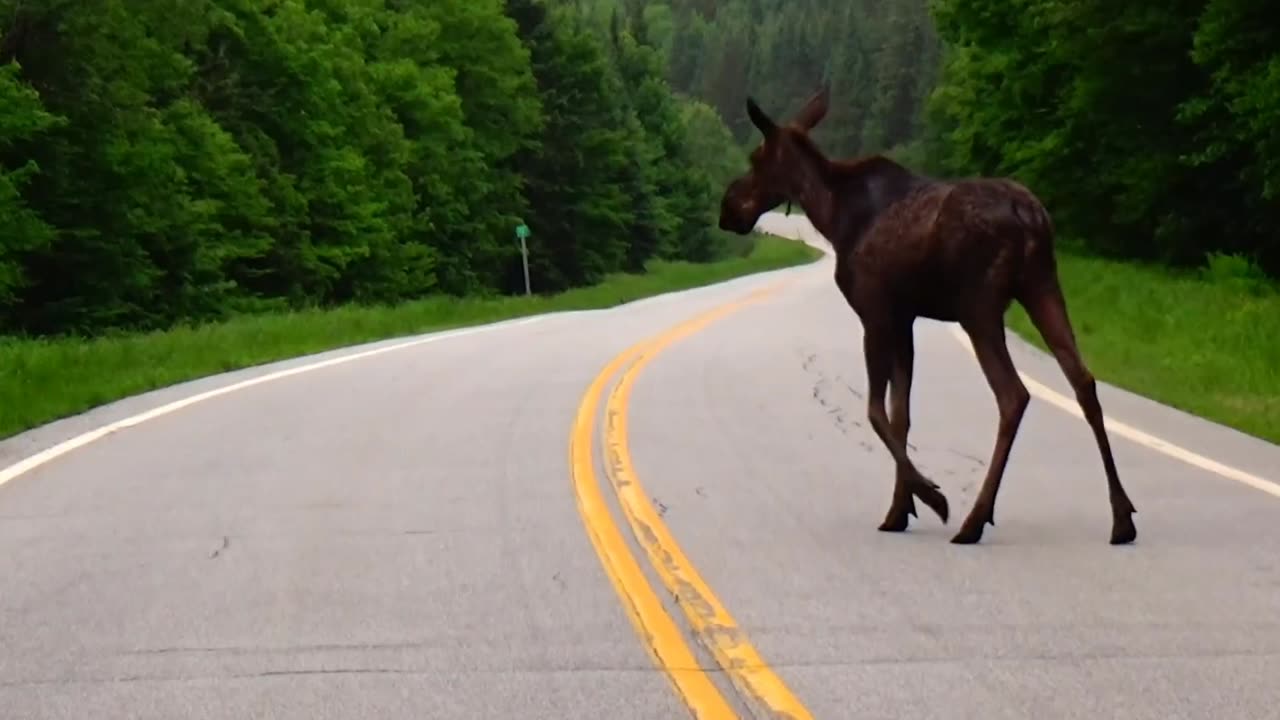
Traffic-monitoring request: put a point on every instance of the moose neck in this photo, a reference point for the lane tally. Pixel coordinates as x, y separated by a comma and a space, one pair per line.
842, 199
812, 191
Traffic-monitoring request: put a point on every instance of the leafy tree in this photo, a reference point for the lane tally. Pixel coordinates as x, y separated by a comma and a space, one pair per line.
1147, 127
165, 162
22, 121
576, 174
133, 182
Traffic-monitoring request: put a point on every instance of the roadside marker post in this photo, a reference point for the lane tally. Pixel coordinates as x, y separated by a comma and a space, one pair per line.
522, 233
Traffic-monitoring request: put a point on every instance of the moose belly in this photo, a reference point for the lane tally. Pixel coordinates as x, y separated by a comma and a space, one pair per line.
934, 306
929, 292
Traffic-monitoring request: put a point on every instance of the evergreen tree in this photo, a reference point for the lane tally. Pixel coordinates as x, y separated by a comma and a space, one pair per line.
575, 176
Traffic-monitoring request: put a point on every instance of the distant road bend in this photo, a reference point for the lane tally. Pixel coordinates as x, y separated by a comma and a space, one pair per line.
493, 523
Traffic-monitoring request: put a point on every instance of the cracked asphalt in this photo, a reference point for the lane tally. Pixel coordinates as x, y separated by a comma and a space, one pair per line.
397, 537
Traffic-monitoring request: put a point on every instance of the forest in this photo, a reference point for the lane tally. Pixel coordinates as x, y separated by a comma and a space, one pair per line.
177, 161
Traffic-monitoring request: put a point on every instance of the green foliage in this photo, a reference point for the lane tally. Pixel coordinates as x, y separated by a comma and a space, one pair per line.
1205, 342
577, 175
1148, 128
22, 121
164, 162
880, 58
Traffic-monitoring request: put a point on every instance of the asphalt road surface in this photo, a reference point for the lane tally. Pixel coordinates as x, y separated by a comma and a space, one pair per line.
431, 531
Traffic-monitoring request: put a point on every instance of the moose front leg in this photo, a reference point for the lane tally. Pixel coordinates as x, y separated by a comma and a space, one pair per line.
886, 353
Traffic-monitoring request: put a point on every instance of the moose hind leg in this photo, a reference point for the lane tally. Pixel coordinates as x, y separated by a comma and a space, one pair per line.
879, 353
1048, 311
1011, 399
905, 491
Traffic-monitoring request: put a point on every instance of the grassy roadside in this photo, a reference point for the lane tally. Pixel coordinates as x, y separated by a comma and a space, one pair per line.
43, 380
1208, 344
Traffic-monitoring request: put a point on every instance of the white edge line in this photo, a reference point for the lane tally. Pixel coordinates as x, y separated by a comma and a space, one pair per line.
34, 461
1070, 406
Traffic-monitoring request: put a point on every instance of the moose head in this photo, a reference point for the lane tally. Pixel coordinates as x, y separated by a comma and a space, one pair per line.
783, 165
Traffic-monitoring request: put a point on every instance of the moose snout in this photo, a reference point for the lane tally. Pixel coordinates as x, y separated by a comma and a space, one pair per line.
733, 219
735, 213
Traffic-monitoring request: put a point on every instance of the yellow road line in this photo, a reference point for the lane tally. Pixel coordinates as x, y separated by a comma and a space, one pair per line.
712, 623
1062, 402
661, 636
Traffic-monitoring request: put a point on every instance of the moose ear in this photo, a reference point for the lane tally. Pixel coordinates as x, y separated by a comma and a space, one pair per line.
814, 110
760, 119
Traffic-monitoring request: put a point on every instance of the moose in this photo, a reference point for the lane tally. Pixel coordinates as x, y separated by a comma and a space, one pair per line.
906, 246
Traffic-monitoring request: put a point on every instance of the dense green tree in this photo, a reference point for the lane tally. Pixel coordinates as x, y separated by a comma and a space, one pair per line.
137, 183
1149, 128
575, 176
499, 99
22, 122
166, 161
1236, 118
880, 58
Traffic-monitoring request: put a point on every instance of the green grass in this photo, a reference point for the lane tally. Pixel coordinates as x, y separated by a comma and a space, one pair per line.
44, 380
1205, 343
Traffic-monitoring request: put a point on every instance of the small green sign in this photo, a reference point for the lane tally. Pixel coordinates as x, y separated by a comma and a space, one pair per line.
522, 231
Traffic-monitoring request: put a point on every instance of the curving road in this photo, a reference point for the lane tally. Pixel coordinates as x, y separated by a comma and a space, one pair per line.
445, 529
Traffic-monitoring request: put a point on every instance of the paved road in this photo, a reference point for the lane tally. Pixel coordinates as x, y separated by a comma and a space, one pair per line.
400, 536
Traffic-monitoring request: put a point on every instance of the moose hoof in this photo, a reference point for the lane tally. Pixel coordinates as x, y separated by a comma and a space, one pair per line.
970, 533
1123, 531
937, 502
932, 497
896, 521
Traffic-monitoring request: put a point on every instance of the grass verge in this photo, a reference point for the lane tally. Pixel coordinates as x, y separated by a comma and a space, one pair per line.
44, 380
1207, 344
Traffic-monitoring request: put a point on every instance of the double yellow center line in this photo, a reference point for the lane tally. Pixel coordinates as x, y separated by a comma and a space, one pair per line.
710, 622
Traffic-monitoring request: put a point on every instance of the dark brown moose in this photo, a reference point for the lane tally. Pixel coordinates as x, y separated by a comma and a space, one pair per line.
909, 246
